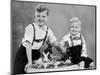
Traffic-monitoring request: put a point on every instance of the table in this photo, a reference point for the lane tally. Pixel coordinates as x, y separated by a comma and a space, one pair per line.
63, 68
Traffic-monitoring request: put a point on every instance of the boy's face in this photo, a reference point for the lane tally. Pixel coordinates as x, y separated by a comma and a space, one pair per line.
41, 17
75, 28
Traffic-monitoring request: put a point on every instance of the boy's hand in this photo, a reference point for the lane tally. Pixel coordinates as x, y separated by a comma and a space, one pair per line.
68, 61
27, 66
63, 49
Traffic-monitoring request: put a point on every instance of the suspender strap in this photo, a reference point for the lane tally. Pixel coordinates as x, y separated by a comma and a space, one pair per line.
81, 39
34, 33
45, 35
71, 40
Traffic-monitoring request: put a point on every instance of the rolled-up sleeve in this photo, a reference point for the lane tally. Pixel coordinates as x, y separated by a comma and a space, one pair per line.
84, 48
51, 36
28, 35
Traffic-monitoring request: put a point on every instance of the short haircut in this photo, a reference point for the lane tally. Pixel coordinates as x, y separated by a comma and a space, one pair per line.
41, 8
75, 19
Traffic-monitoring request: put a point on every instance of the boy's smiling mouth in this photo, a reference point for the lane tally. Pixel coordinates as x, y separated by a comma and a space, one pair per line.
41, 21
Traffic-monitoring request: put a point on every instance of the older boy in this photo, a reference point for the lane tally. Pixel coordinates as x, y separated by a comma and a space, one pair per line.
35, 36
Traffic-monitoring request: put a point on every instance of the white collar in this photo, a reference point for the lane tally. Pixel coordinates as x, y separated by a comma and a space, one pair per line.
78, 35
38, 27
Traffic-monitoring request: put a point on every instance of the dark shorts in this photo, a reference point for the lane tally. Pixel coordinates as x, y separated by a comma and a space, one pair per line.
75, 54
87, 60
21, 59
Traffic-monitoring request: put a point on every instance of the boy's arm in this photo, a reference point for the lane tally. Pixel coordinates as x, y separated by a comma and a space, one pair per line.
64, 43
53, 40
29, 53
84, 48
27, 42
57, 46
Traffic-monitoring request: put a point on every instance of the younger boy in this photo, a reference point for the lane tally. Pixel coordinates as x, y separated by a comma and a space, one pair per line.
74, 45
